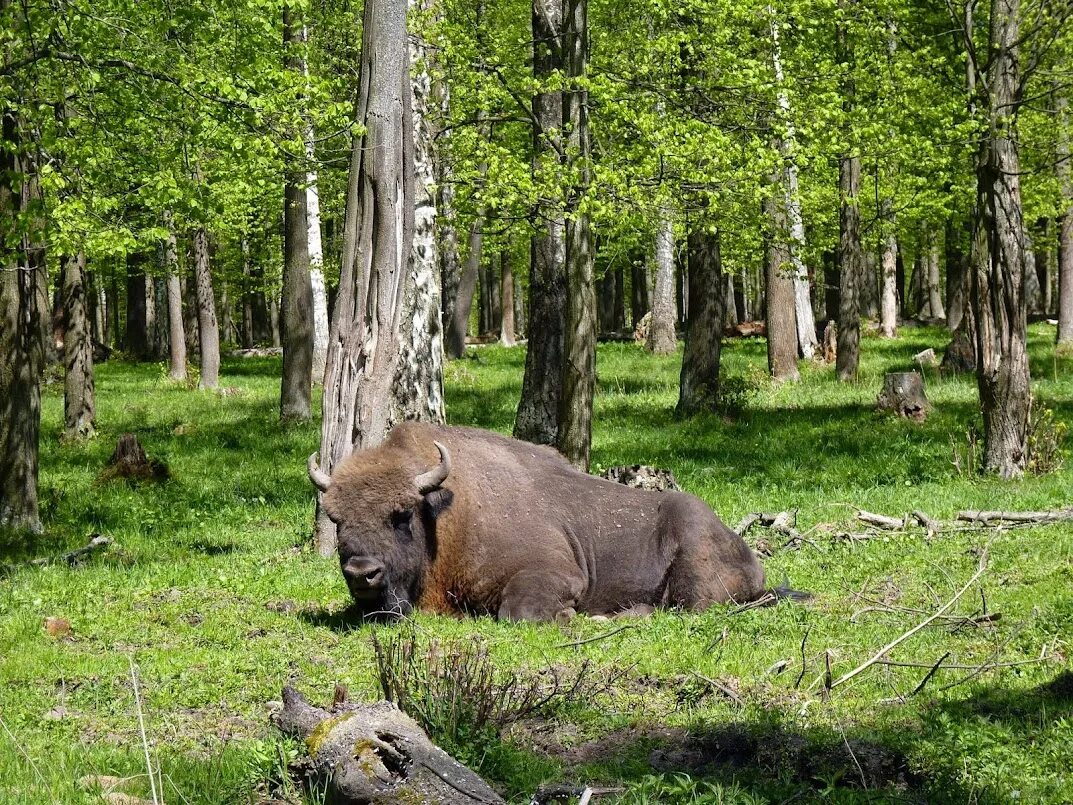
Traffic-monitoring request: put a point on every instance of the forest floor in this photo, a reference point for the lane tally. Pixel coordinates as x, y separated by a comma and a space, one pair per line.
212, 592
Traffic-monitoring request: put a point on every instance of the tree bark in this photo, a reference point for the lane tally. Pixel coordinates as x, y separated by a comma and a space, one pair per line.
458, 325
935, 293
579, 344
418, 391
537, 418
662, 339
273, 318
888, 297
1065, 229
298, 327
1045, 262
207, 330
506, 296
779, 312
24, 319
955, 275
79, 401
699, 381
176, 334
638, 292
999, 260
365, 338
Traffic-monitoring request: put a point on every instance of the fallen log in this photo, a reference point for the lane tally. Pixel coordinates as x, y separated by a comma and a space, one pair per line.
880, 520
375, 753
986, 518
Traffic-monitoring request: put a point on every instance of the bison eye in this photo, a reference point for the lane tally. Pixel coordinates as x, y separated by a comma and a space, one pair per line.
400, 521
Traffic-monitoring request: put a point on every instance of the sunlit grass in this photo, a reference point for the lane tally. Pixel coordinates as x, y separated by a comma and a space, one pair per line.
213, 593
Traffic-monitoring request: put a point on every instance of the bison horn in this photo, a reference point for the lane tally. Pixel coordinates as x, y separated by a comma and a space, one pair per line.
427, 481
321, 480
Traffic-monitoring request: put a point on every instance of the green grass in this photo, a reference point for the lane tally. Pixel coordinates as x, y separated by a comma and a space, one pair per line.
191, 593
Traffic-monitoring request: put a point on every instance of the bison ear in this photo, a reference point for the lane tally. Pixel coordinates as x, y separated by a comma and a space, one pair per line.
439, 500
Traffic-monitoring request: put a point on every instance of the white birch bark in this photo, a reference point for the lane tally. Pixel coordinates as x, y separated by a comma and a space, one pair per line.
806, 324
316, 249
662, 339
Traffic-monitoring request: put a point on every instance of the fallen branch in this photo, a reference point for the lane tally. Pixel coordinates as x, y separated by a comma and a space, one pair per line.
881, 520
603, 636
719, 686
549, 793
906, 635
70, 558
933, 526
987, 518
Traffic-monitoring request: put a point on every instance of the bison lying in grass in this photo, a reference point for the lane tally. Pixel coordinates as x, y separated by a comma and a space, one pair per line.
459, 520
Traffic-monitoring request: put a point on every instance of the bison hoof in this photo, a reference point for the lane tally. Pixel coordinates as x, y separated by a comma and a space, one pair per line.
565, 615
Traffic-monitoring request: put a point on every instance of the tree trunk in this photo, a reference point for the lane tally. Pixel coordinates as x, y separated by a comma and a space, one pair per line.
579, 344
537, 418
176, 334
1065, 229
699, 383
888, 298
730, 310
24, 315
955, 276
618, 317
98, 312
365, 339
79, 401
519, 305
1044, 258
638, 292
188, 286
298, 328
662, 339
273, 318
458, 325
506, 296
780, 315
248, 296
418, 390
136, 342
605, 294
208, 333
830, 283
935, 293
849, 226
806, 321
999, 260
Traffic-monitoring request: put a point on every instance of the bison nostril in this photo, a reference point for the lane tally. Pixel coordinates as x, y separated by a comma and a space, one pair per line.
365, 572
374, 576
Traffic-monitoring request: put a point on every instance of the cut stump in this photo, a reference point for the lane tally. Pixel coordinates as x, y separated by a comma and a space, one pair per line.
129, 461
903, 394
375, 753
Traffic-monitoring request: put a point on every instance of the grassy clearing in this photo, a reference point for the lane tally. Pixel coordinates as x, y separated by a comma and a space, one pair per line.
214, 595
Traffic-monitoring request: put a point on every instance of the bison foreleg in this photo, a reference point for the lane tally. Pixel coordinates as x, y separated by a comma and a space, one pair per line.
539, 595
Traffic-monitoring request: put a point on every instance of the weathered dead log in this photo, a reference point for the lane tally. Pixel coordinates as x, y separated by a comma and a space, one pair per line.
986, 518
130, 461
903, 393
375, 753
880, 520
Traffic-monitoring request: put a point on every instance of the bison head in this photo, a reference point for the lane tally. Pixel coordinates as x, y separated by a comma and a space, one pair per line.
386, 518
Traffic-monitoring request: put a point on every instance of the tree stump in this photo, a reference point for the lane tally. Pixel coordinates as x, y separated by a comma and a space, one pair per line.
129, 461
375, 753
903, 393
830, 342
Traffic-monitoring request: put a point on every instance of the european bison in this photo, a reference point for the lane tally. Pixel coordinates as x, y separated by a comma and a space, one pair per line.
460, 520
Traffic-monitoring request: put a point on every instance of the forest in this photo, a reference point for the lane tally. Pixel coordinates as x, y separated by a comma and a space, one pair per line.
805, 264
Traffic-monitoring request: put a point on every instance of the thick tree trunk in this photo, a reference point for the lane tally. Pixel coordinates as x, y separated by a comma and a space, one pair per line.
506, 296
830, 283
806, 321
418, 391
136, 341
780, 315
869, 291
24, 316
295, 399
888, 297
1065, 229
579, 343
955, 277
730, 310
79, 400
537, 418
176, 334
207, 331
662, 339
699, 382
365, 339
999, 260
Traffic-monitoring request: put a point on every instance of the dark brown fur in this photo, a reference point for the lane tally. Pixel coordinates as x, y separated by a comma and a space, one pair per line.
517, 532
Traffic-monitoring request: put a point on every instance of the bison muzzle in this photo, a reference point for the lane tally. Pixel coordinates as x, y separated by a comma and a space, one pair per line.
460, 520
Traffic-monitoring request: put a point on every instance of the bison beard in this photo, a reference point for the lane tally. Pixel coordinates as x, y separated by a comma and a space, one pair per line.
503, 527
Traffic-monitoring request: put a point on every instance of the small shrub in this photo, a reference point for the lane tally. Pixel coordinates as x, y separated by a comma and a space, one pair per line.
454, 692
1046, 437
735, 394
